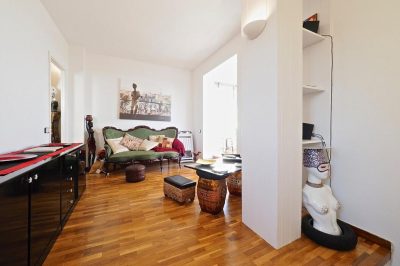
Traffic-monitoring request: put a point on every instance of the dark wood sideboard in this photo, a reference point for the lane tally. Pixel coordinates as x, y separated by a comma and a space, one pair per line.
35, 204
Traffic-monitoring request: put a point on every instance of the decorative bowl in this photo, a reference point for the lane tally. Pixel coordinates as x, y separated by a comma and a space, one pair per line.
206, 161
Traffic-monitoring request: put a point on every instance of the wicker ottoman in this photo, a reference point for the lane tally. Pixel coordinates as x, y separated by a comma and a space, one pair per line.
135, 173
179, 188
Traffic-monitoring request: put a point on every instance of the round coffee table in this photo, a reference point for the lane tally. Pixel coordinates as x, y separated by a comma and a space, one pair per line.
135, 173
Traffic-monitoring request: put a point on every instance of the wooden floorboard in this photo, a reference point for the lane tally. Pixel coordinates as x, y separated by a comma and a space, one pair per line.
119, 223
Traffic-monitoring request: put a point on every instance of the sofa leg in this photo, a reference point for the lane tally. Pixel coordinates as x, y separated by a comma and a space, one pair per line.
106, 167
168, 162
104, 170
161, 164
179, 161
106, 174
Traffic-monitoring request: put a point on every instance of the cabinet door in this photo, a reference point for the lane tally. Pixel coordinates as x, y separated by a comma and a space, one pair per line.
45, 209
67, 186
80, 185
14, 211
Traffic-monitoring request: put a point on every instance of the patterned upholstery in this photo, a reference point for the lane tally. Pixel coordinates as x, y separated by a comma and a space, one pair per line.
141, 132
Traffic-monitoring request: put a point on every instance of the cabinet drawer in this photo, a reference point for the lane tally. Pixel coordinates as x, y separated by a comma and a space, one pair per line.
67, 198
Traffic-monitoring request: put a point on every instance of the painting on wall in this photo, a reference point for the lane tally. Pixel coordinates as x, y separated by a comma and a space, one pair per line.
138, 104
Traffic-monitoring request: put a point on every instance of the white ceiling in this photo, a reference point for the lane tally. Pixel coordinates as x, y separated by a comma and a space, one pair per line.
180, 33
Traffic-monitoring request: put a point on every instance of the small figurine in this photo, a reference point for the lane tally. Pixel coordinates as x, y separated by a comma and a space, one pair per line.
135, 97
91, 142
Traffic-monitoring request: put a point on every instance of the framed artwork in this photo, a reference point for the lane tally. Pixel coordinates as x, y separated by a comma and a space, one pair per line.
139, 104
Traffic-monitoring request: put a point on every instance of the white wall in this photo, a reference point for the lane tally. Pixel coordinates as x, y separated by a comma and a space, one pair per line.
28, 35
258, 121
366, 125
290, 68
269, 85
270, 78
104, 75
80, 102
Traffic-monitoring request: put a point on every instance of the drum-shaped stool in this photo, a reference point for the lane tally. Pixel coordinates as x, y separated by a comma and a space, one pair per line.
135, 173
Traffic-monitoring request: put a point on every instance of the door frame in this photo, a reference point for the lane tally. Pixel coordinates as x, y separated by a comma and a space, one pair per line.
219, 83
63, 83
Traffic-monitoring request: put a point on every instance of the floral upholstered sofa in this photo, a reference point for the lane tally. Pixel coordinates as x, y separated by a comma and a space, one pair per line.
121, 155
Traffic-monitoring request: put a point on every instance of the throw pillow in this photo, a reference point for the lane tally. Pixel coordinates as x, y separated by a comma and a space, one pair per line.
147, 145
156, 138
167, 142
131, 142
115, 145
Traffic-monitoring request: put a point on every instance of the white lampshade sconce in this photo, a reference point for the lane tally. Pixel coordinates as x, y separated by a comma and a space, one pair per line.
254, 17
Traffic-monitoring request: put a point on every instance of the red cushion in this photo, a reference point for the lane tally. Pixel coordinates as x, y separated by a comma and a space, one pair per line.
161, 149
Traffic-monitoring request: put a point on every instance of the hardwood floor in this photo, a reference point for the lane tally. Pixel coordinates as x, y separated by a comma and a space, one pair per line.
119, 223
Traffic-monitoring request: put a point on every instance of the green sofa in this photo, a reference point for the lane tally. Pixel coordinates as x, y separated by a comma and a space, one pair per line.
142, 132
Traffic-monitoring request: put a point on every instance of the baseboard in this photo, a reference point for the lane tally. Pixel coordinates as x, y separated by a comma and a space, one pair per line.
377, 240
362, 233
371, 237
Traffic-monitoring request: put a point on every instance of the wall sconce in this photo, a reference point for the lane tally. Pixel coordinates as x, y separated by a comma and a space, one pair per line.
254, 17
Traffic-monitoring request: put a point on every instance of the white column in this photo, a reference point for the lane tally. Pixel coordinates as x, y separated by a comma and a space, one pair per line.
270, 117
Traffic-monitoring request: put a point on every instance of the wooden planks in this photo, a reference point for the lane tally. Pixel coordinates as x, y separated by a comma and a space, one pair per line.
119, 223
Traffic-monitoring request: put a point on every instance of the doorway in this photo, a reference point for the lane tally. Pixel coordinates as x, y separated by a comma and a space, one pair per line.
220, 109
57, 83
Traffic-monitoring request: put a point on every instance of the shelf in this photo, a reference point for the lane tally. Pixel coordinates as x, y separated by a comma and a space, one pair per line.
311, 89
310, 38
311, 141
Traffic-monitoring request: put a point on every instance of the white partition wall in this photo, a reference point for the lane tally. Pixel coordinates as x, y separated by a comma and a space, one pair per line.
269, 121
270, 116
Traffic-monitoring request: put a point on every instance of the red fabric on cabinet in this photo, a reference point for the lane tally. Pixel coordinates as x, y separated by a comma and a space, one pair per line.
36, 160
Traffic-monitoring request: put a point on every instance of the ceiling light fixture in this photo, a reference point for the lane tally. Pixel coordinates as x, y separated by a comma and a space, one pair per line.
254, 18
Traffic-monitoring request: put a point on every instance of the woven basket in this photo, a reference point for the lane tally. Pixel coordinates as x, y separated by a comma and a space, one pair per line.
234, 182
180, 195
211, 195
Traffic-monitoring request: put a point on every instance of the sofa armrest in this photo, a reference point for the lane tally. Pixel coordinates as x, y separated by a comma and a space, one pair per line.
108, 151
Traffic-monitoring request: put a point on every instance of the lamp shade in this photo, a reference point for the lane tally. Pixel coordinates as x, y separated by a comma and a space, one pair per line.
254, 17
